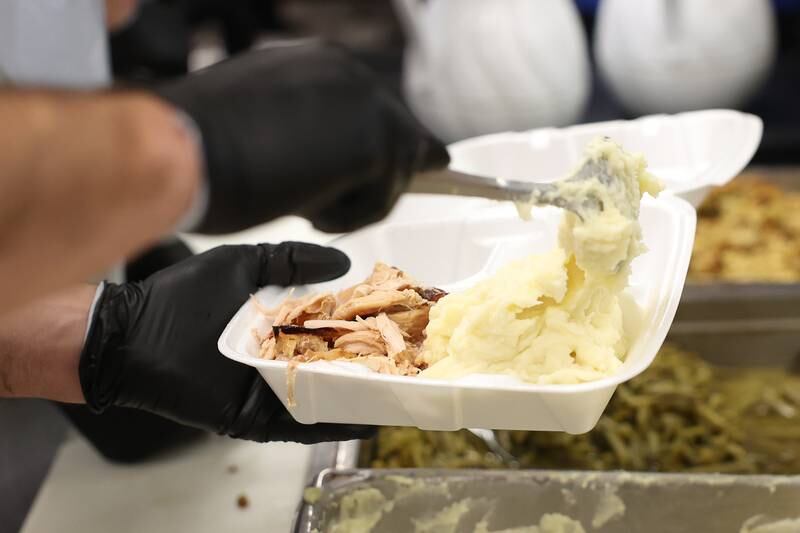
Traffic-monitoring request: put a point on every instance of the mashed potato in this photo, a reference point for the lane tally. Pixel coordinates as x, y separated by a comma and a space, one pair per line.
554, 317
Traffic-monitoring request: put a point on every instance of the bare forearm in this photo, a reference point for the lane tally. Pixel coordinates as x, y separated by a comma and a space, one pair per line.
40, 346
86, 179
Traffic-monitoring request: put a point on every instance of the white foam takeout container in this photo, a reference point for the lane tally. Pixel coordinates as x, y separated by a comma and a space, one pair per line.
453, 242
691, 152
455, 252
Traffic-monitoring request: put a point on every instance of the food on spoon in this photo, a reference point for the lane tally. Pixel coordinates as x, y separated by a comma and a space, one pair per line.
554, 317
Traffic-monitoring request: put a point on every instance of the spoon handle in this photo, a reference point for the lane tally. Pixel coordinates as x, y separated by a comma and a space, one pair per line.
490, 439
450, 181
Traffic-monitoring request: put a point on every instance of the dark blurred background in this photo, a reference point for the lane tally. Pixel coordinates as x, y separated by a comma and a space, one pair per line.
165, 38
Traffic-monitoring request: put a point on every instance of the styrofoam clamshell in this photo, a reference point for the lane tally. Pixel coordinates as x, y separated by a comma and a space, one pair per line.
691, 152
455, 253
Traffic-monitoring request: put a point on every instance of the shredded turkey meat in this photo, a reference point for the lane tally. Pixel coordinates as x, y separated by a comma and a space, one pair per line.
379, 323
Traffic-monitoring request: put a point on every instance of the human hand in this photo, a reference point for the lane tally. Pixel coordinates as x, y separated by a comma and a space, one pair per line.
301, 128
152, 345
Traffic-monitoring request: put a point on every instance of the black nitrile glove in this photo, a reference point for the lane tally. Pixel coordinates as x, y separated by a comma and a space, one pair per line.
152, 345
301, 128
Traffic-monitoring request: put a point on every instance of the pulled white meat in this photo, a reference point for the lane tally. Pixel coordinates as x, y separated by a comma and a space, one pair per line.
379, 323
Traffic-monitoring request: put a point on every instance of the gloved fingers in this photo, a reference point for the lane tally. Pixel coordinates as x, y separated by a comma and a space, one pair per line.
432, 155
314, 433
356, 209
285, 428
261, 417
410, 149
372, 201
423, 151
299, 263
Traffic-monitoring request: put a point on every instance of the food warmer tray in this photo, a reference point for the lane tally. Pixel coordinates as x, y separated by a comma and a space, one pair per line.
608, 502
750, 324
745, 325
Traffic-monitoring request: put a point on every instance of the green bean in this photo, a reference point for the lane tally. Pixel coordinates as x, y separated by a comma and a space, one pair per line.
682, 414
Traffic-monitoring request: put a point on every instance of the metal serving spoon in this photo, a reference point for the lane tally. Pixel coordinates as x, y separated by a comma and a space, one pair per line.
582, 202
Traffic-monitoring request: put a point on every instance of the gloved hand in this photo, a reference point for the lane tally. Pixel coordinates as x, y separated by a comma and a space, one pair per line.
152, 345
301, 128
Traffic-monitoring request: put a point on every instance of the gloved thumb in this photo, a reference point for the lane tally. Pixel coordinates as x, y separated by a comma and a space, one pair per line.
433, 155
299, 263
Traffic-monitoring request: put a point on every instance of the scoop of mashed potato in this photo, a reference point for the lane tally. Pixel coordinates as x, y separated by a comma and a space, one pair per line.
605, 242
554, 317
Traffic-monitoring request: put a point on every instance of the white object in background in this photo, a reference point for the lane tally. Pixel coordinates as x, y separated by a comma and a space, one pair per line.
474, 67
680, 55
461, 251
54, 43
691, 152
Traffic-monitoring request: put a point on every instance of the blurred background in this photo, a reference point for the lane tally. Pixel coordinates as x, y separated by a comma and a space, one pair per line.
469, 67
472, 67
